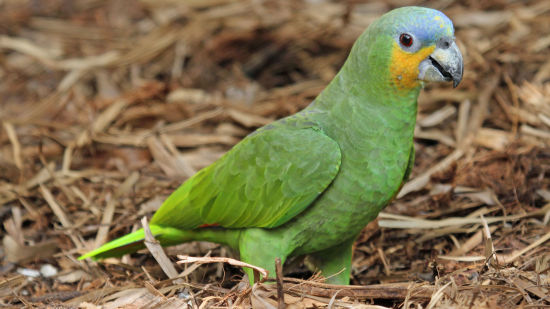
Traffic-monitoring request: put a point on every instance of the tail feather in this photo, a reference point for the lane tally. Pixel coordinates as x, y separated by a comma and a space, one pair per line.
134, 241
167, 236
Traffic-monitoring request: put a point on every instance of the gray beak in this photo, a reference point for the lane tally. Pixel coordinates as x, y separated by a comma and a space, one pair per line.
443, 65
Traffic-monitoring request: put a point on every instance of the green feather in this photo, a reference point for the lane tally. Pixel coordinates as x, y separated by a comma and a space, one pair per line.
264, 181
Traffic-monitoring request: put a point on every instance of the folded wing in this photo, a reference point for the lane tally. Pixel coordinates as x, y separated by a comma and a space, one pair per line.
264, 181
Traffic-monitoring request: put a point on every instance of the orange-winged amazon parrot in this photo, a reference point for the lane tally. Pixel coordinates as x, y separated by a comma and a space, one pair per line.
308, 183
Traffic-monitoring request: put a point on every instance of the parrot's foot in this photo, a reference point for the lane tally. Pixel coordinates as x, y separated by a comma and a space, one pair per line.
334, 263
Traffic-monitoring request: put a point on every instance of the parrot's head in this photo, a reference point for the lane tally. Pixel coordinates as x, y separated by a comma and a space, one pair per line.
409, 46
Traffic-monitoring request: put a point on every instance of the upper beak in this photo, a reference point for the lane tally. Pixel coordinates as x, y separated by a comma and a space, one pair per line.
444, 64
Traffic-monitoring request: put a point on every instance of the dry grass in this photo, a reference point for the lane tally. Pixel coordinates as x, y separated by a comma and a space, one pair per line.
106, 106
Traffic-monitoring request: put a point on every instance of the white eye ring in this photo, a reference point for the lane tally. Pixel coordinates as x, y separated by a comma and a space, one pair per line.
408, 42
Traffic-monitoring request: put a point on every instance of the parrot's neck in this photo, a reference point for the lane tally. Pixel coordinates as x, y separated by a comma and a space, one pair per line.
368, 99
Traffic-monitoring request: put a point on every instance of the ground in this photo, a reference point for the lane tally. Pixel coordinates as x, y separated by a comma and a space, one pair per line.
107, 106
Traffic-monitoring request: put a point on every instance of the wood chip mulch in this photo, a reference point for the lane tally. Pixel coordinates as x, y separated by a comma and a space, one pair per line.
107, 106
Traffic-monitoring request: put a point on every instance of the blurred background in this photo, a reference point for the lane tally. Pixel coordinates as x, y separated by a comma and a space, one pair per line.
107, 106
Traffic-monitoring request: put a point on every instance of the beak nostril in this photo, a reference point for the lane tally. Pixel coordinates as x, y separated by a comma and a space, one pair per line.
444, 43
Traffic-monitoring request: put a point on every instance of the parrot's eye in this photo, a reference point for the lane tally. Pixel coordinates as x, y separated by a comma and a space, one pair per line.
406, 39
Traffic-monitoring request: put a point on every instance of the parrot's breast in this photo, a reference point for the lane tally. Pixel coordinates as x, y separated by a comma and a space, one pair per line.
376, 146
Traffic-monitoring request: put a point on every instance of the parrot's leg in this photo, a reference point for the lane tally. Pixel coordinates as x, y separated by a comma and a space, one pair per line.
260, 247
335, 262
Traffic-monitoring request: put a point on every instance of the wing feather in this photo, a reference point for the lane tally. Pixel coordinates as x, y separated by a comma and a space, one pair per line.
264, 181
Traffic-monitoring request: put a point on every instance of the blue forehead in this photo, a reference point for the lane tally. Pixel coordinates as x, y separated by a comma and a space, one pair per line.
427, 25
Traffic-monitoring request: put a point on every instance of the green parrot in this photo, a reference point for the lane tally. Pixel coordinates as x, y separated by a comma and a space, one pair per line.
308, 183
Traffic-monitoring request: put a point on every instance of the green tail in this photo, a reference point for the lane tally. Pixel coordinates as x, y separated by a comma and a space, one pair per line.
167, 236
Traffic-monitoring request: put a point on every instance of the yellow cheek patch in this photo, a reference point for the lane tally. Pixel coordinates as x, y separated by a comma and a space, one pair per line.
404, 66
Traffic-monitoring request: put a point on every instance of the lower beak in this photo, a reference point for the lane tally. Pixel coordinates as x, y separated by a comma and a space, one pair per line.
443, 65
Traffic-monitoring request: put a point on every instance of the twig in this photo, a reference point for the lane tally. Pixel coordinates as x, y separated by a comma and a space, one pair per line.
406, 222
112, 202
384, 261
192, 268
177, 126
280, 291
375, 291
437, 296
516, 255
184, 259
256, 296
333, 299
12, 136
156, 250
490, 254
59, 213
422, 180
